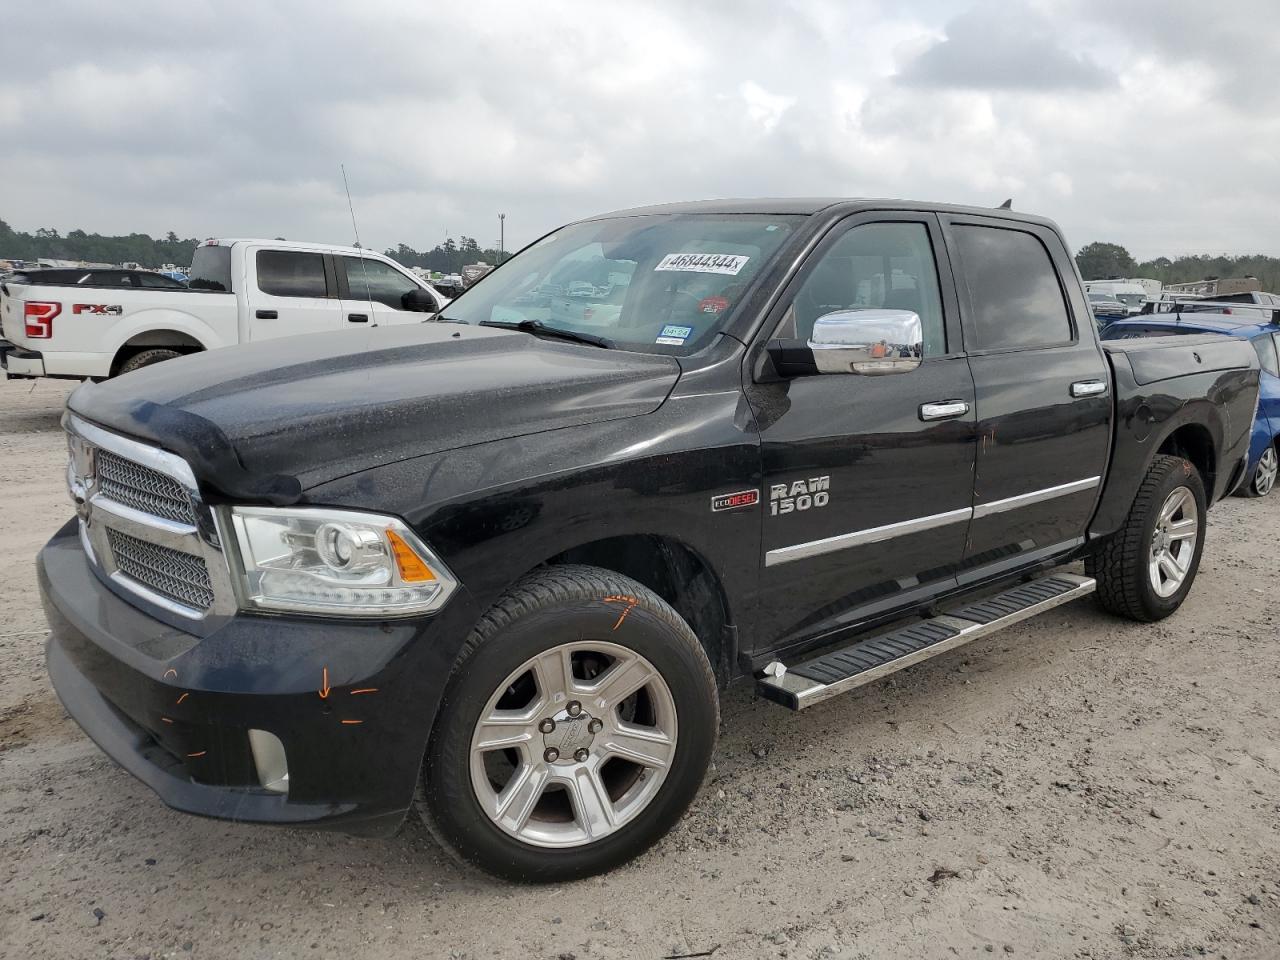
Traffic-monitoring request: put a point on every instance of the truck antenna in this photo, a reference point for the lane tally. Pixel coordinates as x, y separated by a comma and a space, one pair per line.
350, 206
364, 270
1007, 205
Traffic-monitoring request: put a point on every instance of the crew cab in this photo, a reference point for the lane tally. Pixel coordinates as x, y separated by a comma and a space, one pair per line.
94, 324
506, 562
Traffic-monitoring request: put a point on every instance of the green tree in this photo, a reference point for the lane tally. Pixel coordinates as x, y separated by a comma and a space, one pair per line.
1104, 261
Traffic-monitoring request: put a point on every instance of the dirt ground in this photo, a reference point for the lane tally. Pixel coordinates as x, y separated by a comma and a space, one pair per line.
1075, 787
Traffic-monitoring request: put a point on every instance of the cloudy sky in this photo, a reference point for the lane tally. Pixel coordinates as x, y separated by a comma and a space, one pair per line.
1152, 123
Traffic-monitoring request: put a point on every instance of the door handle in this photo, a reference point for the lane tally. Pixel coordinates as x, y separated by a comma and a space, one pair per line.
266, 314
1088, 388
943, 410
358, 317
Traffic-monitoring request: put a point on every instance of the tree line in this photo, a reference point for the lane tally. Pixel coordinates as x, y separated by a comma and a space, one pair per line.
1098, 261
1106, 261
46, 243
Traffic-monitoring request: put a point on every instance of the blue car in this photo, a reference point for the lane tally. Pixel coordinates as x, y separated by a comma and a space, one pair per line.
1259, 327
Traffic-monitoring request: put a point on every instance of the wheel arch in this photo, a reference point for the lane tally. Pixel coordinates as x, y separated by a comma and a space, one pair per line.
677, 573
1194, 443
154, 339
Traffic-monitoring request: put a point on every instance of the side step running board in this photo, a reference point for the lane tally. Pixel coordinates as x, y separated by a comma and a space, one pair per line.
868, 660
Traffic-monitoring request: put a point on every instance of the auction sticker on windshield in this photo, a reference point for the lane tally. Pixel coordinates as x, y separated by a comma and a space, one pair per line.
673, 335
727, 263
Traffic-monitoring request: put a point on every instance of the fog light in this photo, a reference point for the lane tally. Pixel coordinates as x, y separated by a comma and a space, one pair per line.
269, 759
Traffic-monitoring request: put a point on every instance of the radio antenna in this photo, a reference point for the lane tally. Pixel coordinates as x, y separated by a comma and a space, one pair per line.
350, 206
372, 318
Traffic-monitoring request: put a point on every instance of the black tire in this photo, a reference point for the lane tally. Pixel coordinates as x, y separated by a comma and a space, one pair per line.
1120, 564
551, 606
1261, 481
145, 358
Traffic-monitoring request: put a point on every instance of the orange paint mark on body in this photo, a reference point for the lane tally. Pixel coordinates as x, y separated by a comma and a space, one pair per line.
364, 690
352, 723
181, 698
198, 753
166, 720
168, 672
324, 684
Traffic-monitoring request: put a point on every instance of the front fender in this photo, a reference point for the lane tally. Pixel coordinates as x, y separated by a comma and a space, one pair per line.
495, 511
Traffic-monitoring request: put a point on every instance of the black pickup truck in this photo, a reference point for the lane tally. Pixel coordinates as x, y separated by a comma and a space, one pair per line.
498, 566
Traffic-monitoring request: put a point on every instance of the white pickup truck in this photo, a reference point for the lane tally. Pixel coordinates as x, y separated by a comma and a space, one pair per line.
239, 291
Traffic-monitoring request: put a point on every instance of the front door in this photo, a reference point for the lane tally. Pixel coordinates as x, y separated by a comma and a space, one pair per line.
867, 479
373, 292
1043, 390
293, 293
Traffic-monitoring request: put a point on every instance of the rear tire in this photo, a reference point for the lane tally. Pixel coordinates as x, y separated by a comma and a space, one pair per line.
1145, 569
145, 358
1264, 476
518, 783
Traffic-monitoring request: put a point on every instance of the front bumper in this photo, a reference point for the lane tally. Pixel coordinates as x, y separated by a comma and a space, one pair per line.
352, 702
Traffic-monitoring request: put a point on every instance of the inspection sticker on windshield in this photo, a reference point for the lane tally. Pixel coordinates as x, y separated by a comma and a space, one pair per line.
727, 263
673, 335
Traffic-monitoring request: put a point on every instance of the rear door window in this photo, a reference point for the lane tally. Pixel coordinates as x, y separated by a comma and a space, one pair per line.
1265, 347
291, 273
1015, 299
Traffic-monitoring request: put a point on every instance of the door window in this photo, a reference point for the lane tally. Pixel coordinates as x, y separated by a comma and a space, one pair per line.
289, 273
1015, 298
377, 281
876, 265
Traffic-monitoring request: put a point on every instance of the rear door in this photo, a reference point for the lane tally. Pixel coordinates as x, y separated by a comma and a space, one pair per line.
867, 479
1043, 391
373, 292
292, 292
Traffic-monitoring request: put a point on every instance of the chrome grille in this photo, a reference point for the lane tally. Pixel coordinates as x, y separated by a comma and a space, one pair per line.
181, 577
142, 488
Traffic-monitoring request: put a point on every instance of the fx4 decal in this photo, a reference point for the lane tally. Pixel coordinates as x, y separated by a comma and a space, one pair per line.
109, 309
799, 495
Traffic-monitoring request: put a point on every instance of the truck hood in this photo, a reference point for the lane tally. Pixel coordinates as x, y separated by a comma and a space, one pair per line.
267, 421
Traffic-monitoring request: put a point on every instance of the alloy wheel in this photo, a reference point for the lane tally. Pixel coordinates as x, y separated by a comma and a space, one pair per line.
1264, 476
1173, 543
574, 744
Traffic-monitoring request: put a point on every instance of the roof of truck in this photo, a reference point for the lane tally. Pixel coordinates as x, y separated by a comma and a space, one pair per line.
1199, 323
807, 206
288, 245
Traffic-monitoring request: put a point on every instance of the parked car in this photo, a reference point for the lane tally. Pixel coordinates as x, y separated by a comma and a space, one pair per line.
1106, 308
1264, 448
508, 566
141, 279
1131, 293
1255, 305
239, 291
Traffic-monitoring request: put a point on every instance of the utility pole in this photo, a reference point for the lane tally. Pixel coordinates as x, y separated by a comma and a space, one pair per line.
502, 225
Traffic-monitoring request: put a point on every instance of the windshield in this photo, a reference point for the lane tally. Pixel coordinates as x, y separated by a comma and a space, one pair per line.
1130, 299
661, 284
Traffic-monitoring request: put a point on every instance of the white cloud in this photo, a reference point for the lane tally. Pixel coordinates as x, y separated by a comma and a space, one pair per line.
1148, 123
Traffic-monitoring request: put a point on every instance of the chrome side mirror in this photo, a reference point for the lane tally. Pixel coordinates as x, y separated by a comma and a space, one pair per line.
872, 342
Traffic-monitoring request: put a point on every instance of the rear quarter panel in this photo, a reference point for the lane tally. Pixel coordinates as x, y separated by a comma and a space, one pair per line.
1222, 401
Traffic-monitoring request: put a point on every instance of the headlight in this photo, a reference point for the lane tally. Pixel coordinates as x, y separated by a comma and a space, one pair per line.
315, 560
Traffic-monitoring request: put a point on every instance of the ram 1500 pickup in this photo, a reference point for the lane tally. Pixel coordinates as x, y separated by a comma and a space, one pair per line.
506, 561
240, 291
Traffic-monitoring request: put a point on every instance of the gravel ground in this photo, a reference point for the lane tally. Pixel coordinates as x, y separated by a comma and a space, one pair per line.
1075, 787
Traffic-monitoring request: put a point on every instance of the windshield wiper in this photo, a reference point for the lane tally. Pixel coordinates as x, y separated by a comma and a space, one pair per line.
538, 328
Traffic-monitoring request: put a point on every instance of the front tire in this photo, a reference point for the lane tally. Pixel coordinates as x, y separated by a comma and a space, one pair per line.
1145, 569
576, 728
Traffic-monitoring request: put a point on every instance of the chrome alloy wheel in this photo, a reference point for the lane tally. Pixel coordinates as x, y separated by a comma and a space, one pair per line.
1264, 476
1173, 544
574, 744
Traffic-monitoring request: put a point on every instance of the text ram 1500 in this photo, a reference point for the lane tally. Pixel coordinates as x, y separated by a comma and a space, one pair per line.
508, 564
240, 291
